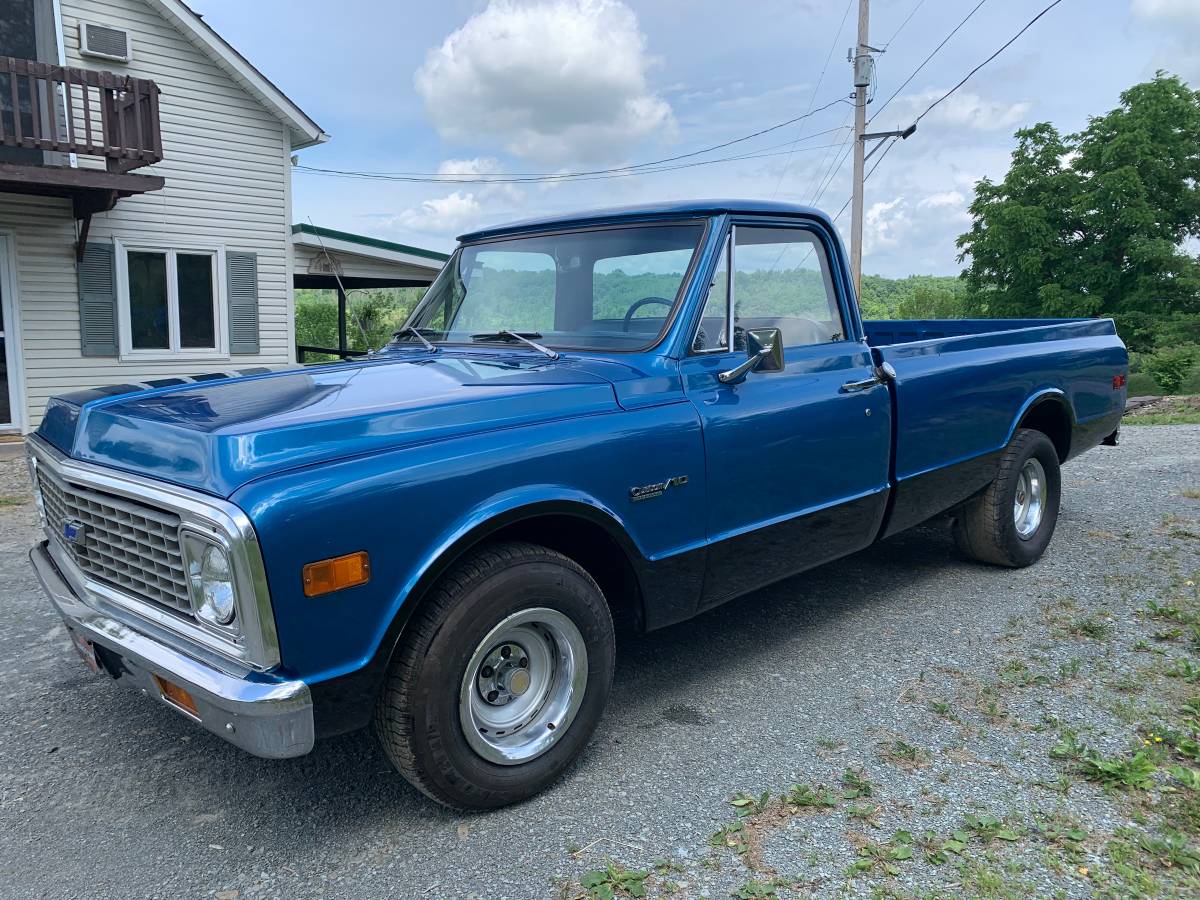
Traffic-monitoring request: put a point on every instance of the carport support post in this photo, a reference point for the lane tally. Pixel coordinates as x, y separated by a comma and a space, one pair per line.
341, 319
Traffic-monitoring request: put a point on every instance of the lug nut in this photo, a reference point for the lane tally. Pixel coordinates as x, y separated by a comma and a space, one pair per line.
524, 663
506, 651
487, 672
492, 696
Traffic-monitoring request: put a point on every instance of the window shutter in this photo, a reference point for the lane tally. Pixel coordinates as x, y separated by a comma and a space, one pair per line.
243, 301
98, 301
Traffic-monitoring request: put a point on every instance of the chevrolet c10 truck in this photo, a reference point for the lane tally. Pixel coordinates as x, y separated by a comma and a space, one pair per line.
624, 416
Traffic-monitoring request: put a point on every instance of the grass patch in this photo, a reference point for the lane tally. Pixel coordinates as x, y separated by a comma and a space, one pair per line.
1167, 411
13, 501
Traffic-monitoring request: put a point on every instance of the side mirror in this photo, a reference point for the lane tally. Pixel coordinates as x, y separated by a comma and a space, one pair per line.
764, 350
771, 340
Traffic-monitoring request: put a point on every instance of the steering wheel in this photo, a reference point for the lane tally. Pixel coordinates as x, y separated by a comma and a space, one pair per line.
638, 304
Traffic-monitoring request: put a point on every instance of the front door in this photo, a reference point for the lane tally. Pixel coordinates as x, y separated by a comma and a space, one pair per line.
797, 462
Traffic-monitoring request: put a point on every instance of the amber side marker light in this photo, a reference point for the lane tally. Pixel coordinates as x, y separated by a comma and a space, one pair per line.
177, 696
328, 575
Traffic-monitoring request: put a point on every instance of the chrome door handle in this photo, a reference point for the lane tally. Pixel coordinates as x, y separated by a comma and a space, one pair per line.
851, 386
881, 375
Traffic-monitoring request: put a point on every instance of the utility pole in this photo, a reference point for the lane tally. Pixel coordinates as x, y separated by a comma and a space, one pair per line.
863, 66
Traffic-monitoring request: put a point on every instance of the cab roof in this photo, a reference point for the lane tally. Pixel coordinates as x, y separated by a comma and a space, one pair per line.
647, 212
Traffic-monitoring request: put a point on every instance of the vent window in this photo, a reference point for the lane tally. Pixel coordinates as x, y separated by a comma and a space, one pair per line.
104, 42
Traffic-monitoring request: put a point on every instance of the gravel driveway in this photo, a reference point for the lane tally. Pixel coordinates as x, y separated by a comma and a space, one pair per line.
914, 697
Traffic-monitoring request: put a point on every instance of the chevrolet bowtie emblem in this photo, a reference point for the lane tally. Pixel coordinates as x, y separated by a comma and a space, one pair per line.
73, 530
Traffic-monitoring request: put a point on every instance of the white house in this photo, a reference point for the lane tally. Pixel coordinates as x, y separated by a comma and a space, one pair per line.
145, 200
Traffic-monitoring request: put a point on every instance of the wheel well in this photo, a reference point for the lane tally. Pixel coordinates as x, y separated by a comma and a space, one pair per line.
594, 548
1050, 417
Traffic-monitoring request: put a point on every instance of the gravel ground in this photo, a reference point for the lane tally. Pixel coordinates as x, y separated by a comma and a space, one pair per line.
942, 683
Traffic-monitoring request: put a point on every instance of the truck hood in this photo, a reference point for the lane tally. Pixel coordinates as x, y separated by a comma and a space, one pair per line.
216, 433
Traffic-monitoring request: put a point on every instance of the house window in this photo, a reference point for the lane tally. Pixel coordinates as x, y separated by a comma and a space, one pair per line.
170, 303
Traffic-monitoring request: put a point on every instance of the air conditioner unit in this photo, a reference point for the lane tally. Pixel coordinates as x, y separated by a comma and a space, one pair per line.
105, 42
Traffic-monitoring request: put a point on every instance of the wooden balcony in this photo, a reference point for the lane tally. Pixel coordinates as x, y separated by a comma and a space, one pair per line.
48, 110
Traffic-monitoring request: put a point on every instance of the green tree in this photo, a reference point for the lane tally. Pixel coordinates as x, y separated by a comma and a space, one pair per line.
1096, 223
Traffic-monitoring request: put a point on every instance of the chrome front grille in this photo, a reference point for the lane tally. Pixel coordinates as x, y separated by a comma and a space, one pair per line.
124, 544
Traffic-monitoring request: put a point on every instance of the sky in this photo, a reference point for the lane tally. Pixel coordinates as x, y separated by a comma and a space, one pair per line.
554, 86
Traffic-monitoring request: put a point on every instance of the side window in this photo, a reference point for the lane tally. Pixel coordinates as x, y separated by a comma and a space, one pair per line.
710, 334
781, 280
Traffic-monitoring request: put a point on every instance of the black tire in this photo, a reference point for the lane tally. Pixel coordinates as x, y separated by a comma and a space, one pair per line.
417, 717
985, 528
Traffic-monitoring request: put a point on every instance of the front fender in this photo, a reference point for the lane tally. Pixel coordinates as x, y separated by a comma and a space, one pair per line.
410, 510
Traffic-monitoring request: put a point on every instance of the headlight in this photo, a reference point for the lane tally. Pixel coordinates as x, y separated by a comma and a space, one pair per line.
211, 581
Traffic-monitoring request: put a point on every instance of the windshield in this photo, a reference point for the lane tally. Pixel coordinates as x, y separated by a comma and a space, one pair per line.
605, 289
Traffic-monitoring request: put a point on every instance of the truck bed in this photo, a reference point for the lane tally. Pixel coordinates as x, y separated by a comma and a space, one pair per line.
962, 385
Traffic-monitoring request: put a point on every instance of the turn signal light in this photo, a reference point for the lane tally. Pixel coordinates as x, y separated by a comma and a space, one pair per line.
328, 575
177, 696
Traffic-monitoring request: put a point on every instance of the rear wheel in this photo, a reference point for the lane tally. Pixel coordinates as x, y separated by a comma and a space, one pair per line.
501, 680
1012, 521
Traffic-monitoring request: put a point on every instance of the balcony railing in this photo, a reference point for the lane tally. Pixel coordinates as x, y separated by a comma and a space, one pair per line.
90, 113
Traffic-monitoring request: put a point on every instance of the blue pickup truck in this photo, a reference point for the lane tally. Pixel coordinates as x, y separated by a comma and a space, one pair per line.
627, 416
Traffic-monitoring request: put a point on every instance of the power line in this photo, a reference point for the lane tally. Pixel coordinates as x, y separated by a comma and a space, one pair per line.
820, 168
517, 177
867, 177
907, 19
926, 60
368, 176
1012, 40
820, 78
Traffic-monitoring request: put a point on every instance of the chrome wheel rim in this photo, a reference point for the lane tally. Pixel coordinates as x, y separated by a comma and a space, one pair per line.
1029, 502
523, 686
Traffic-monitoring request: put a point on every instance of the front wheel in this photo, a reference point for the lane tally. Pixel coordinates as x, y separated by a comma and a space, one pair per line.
501, 680
1012, 521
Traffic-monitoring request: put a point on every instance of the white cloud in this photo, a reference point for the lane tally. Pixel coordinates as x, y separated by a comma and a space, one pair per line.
886, 224
554, 80
964, 109
1185, 12
943, 199
442, 215
480, 165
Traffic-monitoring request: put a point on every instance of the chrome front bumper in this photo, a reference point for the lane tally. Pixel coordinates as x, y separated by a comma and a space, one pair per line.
262, 715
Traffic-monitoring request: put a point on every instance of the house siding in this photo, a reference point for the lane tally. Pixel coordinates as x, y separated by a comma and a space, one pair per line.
227, 171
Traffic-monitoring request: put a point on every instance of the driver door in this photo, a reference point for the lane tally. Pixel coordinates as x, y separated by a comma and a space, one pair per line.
797, 459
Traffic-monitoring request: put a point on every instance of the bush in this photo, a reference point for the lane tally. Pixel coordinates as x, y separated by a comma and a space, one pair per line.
1169, 368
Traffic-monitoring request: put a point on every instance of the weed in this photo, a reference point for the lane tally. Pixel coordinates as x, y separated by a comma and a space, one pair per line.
12, 501
1091, 627
613, 881
884, 855
1134, 771
1017, 673
1191, 493
903, 753
803, 795
868, 812
856, 785
938, 850
732, 836
988, 828
746, 805
1189, 778
1167, 634
1164, 612
1068, 670
755, 888
1172, 849
1183, 668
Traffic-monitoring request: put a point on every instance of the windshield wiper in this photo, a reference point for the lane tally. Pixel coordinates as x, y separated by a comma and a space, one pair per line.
418, 333
525, 337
